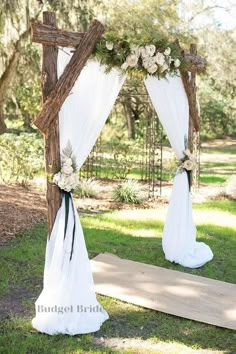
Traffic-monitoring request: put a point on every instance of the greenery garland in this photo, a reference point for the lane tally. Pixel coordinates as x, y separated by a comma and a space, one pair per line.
139, 56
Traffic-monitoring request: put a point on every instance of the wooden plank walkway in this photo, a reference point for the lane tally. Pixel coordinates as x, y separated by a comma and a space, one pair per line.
173, 292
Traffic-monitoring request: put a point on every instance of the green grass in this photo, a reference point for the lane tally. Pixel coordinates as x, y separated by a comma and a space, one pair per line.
212, 179
220, 150
135, 235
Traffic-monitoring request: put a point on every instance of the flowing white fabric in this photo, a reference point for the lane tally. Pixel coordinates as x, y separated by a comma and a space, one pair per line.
179, 236
68, 301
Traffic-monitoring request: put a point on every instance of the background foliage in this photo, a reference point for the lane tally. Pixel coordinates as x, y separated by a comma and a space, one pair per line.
190, 21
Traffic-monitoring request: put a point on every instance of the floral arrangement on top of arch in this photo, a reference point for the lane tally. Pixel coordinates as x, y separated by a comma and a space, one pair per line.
139, 56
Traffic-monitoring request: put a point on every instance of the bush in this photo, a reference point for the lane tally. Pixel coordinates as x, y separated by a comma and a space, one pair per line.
128, 192
21, 157
88, 188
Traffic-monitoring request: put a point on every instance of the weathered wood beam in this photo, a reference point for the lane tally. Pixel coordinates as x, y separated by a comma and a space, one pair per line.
67, 80
186, 78
51, 139
49, 35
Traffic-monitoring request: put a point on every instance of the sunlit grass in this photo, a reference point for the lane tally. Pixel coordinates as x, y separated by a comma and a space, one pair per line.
134, 235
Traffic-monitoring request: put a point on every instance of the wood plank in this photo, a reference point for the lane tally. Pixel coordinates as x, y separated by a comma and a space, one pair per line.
67, 80
173, 292
51, 138
49, 35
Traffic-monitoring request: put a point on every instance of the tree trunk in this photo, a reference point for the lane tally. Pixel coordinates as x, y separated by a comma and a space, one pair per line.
9, 73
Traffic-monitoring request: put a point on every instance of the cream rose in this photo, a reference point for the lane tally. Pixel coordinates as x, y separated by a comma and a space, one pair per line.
164, 67
67, 170
167, 51
177, 63
68, 161
143, 52
187, 152
160, 59
188, 165
132, 60
124, 66
150, 49
152, 69
109, 45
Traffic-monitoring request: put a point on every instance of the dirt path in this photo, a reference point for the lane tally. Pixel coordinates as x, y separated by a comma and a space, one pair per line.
20, 208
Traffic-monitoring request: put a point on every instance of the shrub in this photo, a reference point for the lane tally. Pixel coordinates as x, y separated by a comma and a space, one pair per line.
88, 188
21, 157
128, 192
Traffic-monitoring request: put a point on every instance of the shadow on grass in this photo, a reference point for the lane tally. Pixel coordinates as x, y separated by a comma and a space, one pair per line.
23, 260
129, 321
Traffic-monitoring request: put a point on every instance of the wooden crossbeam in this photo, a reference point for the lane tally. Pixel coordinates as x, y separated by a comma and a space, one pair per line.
67, 80
49, 35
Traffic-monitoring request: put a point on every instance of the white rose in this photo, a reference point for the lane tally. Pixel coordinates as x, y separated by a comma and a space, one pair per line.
188, 165
150, 49
160, 59
148, 62
143, 52
67, 170
68, 161
193, 158
124, 66
62, 183
56, 178
177, 63
167, 51
187, 152
152, 69
164, 67
109, 45
132, 60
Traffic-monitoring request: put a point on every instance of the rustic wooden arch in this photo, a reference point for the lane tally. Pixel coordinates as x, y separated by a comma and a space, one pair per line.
55, 91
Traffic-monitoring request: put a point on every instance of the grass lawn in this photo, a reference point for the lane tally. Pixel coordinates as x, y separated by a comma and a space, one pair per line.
135, 235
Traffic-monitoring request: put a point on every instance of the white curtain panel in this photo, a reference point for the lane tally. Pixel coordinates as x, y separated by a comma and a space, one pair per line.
68, 301
179, 236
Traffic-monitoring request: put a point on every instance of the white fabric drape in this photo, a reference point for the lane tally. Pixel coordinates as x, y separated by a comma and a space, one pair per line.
68, 301
179, 236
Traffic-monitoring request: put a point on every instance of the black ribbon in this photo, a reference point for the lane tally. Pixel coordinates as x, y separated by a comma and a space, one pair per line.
68, 198
189, 175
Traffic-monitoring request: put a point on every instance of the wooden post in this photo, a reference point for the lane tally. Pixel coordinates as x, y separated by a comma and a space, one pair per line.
51, 138
192, 83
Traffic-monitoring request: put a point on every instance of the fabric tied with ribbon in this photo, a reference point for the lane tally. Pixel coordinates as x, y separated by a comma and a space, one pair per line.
68, 199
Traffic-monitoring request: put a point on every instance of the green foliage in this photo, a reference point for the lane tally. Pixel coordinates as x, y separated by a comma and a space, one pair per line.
123, 46
128, 192
88, 188
21, 157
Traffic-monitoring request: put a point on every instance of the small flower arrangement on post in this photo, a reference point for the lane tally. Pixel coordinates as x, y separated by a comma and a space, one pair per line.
188, 164
67, 180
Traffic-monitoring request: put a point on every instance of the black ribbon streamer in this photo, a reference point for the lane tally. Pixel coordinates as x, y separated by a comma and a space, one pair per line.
189, 175
68, 198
